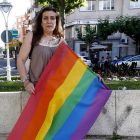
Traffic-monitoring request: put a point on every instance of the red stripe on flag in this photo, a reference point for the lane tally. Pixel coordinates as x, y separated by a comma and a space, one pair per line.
33, 101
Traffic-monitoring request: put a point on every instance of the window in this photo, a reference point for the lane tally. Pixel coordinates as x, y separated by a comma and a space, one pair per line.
69, 34
89, 6
73, 31
83, 29
106, 4
19, 20
93, 26
136, 58
134, 4
127, 57
19, 26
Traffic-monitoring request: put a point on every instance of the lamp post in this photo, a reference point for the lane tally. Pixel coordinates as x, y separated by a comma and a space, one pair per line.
6, 7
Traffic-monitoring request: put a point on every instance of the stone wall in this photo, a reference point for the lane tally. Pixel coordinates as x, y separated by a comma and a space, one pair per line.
120, 114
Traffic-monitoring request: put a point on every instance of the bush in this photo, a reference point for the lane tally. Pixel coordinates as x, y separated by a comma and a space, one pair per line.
119, 70
11, 86
4, 78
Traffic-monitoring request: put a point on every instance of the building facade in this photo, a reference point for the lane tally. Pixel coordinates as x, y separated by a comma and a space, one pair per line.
33, 10
91, 13
24, 23
20, 27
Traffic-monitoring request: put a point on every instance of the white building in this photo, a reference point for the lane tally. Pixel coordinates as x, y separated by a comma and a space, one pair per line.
94, 10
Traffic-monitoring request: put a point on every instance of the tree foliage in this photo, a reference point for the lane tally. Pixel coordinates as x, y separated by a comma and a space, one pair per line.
11, 49
105, 28
1, 49
63, 6
90, 33
18, 48
129, 25
90, 36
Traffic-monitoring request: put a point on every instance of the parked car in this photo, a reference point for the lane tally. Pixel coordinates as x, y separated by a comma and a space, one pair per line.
86, 60
122, 59
1, 56
132, 59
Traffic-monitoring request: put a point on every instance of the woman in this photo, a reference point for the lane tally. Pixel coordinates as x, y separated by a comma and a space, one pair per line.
48, 34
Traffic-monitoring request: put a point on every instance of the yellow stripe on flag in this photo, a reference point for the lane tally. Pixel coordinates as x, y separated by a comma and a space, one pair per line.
61, 95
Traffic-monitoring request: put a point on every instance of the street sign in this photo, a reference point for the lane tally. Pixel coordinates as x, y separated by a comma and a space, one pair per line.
13, 40
12, 45
15, 32
3, 36
15, 36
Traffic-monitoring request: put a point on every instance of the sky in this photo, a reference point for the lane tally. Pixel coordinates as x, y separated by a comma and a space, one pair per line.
19, 8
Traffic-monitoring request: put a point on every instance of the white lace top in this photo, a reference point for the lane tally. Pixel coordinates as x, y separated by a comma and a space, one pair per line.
53, 43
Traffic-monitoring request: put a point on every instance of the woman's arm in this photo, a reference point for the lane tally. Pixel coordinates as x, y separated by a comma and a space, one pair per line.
22, 57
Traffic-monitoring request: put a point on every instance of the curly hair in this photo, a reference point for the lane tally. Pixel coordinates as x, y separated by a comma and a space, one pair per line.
38, 30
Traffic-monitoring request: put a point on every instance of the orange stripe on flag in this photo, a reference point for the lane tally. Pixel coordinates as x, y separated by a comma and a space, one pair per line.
41, 111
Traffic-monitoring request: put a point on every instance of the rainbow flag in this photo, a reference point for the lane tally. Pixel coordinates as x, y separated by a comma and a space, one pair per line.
67, 101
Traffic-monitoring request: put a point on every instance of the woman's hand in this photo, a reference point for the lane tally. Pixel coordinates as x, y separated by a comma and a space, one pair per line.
29, 87
100, 78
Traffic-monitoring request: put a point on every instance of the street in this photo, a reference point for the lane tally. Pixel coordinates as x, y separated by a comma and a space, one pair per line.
3, 65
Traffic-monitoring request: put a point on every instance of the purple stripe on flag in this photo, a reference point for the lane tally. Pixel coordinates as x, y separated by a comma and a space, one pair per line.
92, 113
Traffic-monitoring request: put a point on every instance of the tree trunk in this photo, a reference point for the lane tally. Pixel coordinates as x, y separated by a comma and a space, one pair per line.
61, 11
88, 46
137, 47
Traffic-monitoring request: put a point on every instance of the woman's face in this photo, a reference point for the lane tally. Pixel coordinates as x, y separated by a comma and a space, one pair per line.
48, 21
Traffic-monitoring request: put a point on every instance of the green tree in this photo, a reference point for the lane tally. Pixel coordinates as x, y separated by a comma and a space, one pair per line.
18, 48
63, 6
89, 37
1, 49
129, 25
11, 49
105, 28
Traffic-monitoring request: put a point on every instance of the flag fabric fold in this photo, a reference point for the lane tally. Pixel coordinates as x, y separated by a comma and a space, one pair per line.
68, 99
